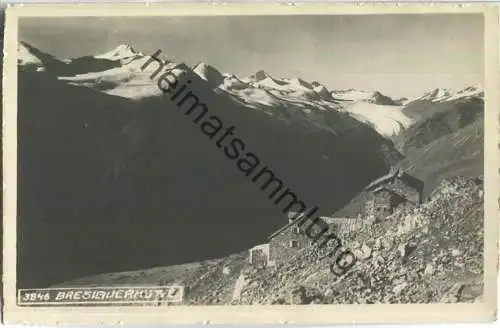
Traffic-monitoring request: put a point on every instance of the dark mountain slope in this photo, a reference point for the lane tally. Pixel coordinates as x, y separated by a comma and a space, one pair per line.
108, 184
380, 99
446, 144
422, 109
71, 67
48, 61
446, 119
87, 64
458, 154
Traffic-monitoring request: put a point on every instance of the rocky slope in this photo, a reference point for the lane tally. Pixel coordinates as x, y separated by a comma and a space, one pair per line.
447, 142
440, 119
431, 254
459, 153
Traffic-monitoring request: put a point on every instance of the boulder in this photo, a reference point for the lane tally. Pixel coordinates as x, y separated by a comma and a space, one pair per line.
328, 292
429, 269
399, 288
298, 295
406, 249
364, 253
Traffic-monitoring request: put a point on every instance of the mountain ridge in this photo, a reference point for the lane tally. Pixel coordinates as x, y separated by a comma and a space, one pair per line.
117, 72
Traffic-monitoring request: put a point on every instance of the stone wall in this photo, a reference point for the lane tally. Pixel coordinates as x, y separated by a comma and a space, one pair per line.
401, 188
382, 206
286, 244
264, 249
388, 197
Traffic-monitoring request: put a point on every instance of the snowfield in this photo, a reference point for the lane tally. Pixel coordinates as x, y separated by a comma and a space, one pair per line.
387, 120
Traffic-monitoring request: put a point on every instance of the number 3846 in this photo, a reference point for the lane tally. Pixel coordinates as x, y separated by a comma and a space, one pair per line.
33, 297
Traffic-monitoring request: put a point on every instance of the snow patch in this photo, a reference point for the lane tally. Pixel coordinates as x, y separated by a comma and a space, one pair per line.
387, 120
26, 57
351, 95
128, 80
208, 73
123, 51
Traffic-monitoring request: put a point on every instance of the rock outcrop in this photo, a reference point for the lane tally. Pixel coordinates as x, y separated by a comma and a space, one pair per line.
430, 254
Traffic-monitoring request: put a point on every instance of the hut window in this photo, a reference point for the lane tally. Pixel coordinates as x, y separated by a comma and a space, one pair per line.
294, 244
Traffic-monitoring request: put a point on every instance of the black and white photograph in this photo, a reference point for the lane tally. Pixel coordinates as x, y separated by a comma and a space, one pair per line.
242, 160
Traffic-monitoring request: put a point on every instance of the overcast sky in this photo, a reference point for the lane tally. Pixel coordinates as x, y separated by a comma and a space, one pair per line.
400, 55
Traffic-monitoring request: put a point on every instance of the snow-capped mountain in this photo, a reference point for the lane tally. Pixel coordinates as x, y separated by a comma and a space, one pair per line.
26, 57
124, 72
209, 74
441, 100
121, 52
475, 90
32, 59
444, 95
128, 75
288, 98
125, 77
437, 94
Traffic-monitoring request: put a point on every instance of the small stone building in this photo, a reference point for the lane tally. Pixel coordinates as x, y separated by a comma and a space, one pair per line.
286, 243
259, 256
396, 189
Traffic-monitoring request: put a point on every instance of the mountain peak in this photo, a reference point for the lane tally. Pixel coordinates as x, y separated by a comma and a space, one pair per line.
125, 47
259, 75
208, 73
477, 87
300, 82
438, 93
26, 54
380, 99
475, 90
34, 59
122, 51
202, 65
445, 94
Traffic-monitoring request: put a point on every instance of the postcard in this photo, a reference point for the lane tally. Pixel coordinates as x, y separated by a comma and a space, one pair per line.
250, 163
